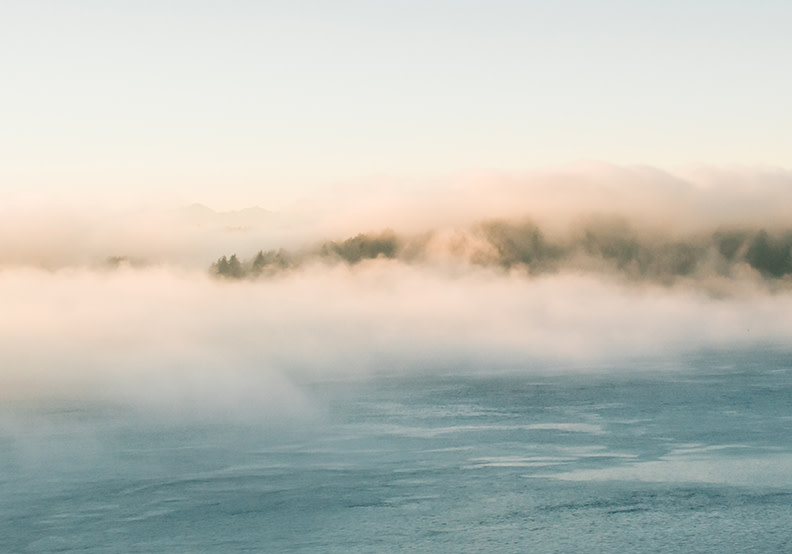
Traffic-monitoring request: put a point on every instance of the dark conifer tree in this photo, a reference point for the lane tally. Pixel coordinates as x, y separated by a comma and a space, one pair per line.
221, 267
235, 267
259, 263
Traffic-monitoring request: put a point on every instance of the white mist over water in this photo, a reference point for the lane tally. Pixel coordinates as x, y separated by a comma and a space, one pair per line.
179, 338
118, 302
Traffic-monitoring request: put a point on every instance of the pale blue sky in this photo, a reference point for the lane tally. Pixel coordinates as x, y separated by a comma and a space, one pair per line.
258, 102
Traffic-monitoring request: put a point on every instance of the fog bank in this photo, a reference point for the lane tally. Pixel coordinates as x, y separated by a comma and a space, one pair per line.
560, 202
593, 267
167, 339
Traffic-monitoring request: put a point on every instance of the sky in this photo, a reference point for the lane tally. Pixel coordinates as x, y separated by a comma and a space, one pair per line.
239, 103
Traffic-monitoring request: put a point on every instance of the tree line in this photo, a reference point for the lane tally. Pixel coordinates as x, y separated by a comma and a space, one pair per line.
614, 244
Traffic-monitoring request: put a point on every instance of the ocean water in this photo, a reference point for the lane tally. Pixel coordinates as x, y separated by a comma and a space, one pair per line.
689, 455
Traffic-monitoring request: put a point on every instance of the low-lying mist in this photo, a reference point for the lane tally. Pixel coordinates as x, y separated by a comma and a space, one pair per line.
165, 339
195, 311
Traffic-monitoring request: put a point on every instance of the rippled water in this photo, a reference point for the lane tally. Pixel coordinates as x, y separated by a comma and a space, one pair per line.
694, 456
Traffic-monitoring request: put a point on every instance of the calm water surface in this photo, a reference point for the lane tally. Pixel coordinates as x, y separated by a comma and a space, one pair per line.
695, 458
